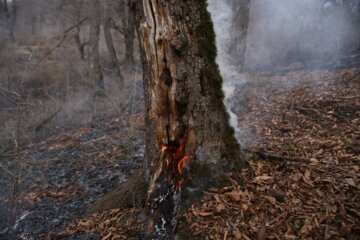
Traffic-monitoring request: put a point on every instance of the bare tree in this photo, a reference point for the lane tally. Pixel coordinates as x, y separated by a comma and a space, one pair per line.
111, 49
95, 72
10, 13
127, 20
81, 45
238, 39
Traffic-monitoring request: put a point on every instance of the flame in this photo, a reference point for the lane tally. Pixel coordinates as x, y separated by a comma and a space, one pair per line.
175, 162
181, 164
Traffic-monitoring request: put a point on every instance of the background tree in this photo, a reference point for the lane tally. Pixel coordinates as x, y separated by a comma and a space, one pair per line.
238, 40
95, 72
127, 20
110, 44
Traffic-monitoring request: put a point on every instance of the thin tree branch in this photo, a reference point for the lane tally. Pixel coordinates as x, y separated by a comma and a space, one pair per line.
271, 157
64, 36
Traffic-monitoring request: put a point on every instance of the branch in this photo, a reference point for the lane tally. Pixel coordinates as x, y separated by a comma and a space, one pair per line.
8, 171
271, 157
46, 120
116, 27
75, 26
64, 36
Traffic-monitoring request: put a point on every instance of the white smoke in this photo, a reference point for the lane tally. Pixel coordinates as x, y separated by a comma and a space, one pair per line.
221, 14
281, 32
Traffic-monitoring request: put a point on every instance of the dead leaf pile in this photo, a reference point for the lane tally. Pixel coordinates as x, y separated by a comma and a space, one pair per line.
111, 224
318, 119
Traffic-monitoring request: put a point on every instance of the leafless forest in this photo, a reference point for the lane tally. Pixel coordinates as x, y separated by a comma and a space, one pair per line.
181, 119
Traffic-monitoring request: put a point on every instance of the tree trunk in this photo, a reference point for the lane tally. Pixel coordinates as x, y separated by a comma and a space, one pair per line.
95, 74
128, 24
190, 145
129, 38
240, 23
77, 36
80, 45
111, 50
11, 14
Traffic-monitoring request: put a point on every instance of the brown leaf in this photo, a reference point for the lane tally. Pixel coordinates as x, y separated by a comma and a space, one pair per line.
108, 236
220, 208
271, 199
345, 229
205, 214
234, 195
296, 176
237, 234
262, 233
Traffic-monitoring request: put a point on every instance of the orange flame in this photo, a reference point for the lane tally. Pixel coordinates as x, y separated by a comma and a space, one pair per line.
181, 164
175, 162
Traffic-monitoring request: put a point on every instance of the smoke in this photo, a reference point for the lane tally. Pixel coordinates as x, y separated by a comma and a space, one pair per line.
222, 15
281, 32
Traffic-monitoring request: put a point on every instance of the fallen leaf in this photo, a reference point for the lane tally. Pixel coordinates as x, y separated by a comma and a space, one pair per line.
205, 214
220, 208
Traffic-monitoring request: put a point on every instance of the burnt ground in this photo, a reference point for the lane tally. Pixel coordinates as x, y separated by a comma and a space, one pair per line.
310, 116
71, 169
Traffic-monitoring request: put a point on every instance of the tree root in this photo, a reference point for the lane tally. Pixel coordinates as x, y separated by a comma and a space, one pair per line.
129, 194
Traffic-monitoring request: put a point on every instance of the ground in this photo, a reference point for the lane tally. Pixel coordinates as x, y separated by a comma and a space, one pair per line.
310, 116
313, 117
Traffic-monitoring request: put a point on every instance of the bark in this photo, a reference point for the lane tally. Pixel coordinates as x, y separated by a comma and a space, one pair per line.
95, 74
189, 142
129, 40
238, 40
111, 50
11, 14
128, 24
80, 45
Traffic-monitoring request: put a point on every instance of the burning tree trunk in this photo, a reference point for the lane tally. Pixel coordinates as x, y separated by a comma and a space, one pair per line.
190, 145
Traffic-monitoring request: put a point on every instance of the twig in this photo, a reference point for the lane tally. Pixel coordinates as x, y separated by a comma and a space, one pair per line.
46, 120
64, 36
9, 91
15, 193
8, 171
271, 157
116, 27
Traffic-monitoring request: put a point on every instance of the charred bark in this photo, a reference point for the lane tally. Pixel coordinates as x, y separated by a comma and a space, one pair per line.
190, 145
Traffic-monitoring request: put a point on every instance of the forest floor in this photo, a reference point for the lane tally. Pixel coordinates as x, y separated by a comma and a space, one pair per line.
313, 118
310, 117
